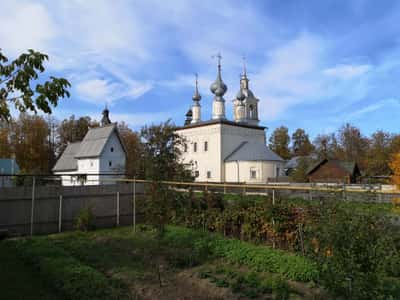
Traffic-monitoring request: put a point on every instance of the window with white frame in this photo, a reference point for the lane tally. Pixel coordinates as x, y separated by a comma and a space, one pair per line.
194, 147
253, 173
208, 174
205, 146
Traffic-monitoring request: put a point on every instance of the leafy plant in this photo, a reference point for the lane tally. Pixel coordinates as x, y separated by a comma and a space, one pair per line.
85, 219
16, 78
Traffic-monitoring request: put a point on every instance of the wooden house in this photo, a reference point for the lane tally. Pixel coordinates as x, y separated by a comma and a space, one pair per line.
334, 171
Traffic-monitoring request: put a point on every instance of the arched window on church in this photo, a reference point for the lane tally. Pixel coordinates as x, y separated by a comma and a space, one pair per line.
251, 112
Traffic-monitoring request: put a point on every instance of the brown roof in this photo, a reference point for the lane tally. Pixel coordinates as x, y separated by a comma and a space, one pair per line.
349, 166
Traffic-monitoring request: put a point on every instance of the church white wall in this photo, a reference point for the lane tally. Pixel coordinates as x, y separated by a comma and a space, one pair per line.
112, 160
207, 161
233, 136
241, 171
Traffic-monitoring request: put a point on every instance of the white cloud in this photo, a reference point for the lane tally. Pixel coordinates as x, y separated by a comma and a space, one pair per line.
373, 108
347, 71
102, 91
25, 25
290, 76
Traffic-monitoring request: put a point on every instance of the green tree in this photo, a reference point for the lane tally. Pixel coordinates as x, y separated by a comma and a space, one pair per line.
279, 142
301, 143
19, 85
162, 161
162, 153
299, 174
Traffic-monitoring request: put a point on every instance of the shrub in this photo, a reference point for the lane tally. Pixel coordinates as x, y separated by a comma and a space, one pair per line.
85, 219
355, 252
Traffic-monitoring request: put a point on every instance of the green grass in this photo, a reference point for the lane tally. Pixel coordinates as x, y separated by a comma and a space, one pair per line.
19, 280
257, 258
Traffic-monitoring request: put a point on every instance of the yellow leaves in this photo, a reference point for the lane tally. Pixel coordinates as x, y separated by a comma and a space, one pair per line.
395, 166
315, 244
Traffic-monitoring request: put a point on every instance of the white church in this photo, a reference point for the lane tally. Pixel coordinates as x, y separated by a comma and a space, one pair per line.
222, 150
98, 159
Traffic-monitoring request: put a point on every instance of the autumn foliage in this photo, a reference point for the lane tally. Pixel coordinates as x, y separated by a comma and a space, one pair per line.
395, 166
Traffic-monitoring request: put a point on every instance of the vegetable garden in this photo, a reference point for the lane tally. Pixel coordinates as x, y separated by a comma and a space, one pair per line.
214, 246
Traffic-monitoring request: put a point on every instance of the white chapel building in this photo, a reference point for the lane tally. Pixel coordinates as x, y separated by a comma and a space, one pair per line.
221, 150
98, 159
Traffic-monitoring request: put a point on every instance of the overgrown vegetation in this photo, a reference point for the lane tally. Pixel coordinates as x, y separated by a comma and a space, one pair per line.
356, 246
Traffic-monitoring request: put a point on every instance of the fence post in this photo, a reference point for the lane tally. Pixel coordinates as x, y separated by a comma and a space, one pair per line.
273, 197
60, 213
134, 204
33, 203
344, 191
224, 187
117, 208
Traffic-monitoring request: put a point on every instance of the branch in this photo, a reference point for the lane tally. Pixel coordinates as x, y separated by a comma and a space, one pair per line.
9, 76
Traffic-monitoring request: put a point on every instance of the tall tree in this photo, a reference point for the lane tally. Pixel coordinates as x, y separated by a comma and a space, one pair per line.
354, 144
162, 153
5, 145
279, 142
30, 143
378, 155
301, 143
19, 86
73, 130
327, 146
133, 148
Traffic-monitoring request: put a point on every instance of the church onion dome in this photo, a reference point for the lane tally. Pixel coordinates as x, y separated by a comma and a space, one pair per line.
188, 119
218, 88
189, 113
248, 93
240, 95
196, 95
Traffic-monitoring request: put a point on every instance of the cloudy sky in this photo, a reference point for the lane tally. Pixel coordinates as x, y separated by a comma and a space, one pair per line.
313, 64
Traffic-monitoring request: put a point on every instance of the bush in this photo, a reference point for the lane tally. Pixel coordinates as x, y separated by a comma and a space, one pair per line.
356, 252
85, 219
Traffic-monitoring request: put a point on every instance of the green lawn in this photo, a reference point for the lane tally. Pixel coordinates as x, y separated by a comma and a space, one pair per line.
19, 280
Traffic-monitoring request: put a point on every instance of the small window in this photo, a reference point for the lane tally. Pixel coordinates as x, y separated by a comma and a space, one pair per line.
278, 170
110, 163
196, 174
185, 148
208, 174
195, 147
112, 149
205, 146
253, 174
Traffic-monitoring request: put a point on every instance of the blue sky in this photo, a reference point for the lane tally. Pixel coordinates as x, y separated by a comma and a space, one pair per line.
313, 64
